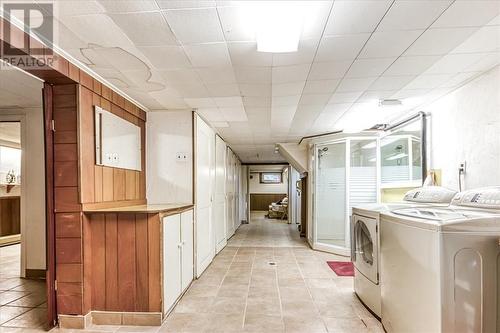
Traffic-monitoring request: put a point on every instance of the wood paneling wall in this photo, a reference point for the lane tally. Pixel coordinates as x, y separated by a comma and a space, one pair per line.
261, 201
126, 264
10, 216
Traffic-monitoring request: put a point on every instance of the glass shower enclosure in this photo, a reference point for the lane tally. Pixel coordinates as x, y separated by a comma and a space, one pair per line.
346, 175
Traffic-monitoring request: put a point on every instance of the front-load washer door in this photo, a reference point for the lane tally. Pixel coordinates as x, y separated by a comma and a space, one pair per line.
366, 247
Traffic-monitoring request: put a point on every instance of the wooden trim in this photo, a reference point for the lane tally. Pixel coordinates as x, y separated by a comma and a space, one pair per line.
113, 204
9, 240
35, 273
48, 113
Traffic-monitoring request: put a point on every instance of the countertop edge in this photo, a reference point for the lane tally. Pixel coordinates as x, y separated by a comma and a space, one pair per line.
146, 209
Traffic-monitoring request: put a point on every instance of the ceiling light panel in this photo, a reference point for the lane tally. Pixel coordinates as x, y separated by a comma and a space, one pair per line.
195, 25
353, 17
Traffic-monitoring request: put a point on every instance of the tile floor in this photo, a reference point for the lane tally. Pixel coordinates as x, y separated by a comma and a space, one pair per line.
22, 302
243, 291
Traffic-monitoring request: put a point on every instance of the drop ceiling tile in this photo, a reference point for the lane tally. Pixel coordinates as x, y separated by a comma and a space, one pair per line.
208, 55
304, 55
220, 124
145, 29
252, 74
411, 65
247, 89
321, 86
338, 48
234, 114
495, 21
389, 43
352, 17
128, 6
314, 99
233, 101
344, 97
191, 90
218, 75
370, 96
439, 41
468, 14
285, 100
412, 15
236, 24
287, 74
329, 70
246, 54
410, 93
288, 89
369, 67
223, 90
168, 100
166, 57
428, 81
391, 82
256, 102
206, 102
486, 39
315, 15
185, 4
358, 84
180, 76
460, 79
486, 63
337, 109
453, 63
78, 8
195, 25
211, 114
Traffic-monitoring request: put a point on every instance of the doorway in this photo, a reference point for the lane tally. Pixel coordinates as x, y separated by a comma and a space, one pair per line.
23, 292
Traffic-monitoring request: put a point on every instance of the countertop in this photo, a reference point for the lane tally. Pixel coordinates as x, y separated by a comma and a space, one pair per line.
150, 209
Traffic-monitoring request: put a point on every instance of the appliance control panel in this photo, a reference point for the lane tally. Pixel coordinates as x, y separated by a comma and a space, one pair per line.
486, 197
430, 194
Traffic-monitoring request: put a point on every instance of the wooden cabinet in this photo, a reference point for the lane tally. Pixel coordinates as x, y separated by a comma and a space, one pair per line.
177, 256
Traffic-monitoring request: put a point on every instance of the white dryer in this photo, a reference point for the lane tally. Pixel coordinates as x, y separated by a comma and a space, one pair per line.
440, 265
365, 239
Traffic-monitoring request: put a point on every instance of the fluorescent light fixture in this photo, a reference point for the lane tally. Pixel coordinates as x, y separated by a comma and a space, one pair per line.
277, 24
390, 102
397, 156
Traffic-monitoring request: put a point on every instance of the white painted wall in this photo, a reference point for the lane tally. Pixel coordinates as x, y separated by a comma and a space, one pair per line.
169, 180
32, 185
257, 187
465, 127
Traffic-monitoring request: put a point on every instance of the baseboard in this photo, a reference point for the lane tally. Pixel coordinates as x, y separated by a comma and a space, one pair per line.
110, 318
35, 273
10, 240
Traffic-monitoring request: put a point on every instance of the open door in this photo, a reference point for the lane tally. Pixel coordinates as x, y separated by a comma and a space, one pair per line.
49, 199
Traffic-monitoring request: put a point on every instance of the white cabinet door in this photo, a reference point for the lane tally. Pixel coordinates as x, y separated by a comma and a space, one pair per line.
171, 260
187, 248
219, 205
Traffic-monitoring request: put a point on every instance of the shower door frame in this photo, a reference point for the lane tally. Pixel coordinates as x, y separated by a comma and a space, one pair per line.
335, 249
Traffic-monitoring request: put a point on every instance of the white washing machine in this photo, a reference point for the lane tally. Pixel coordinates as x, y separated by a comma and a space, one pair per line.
365, 239
440, 265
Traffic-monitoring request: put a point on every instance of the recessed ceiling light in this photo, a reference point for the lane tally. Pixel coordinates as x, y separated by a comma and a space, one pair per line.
389, 102
277, 25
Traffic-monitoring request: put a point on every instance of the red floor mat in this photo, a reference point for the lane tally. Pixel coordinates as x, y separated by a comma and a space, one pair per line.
342, 268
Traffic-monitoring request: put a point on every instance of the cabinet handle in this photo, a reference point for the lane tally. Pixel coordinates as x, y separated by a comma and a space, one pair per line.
179, 245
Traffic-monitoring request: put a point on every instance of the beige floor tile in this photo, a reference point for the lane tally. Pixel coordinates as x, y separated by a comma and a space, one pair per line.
263, 323
342, 325
293, 293
263, 306
304, 324
10, 296
10, 312
194, 304
299, 308
34, 318
225, 323
227, 305
321, 283
239, 291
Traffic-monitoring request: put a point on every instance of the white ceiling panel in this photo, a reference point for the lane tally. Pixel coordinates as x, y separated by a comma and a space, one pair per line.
315, 15
486, 39
413, 65
200, 102
358, 84
459, 79
287, 89
166, 57
253, 74
329, 70
234, 114
195, 25
234, 23
369, 67
339, 48
391, 82
287, 74
256, 102
439, 41
128, 6
222, 89
208, 55
181, 76
234, 101
353, 17
185, 4
314, 99
220, 124
412, 15
454, 63
191, 90
487, 62
344, 97
389, 43
304, 55
77, 8
285, 100
464, 13
321, 86
211, 114
245, 54
145, 29
248, 89
428, 81
217, 75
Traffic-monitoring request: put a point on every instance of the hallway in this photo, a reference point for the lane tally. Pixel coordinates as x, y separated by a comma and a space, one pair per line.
266, 280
